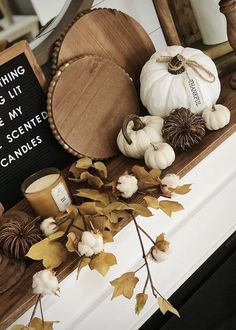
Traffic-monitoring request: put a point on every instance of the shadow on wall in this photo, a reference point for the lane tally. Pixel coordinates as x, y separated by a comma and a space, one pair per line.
21, 7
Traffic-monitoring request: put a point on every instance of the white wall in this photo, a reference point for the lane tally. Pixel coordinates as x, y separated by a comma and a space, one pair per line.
143, 11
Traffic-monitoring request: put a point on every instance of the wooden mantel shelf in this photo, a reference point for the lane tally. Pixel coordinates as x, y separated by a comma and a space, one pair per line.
19, 299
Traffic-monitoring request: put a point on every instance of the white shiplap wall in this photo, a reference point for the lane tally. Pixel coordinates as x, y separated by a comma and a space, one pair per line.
143, 11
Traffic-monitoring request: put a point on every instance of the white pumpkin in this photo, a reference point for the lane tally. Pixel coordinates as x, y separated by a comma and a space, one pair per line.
179, 77
159, 155
216, 117
137, 133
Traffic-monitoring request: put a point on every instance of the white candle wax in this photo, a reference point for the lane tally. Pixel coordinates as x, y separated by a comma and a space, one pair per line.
42, 183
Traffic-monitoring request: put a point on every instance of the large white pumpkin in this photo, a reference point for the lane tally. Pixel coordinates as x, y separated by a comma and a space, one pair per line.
169, 82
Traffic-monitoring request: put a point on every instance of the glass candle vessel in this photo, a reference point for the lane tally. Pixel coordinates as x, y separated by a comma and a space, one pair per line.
46, 192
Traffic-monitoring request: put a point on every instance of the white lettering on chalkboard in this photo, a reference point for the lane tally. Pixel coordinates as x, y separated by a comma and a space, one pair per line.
15, 113
21, 151
11, 76
26, 127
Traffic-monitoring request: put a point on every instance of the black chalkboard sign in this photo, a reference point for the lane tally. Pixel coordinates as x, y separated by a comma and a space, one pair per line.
26, 141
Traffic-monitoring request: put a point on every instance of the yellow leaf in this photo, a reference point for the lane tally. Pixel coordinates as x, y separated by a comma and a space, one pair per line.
107, 237
161, 243
139, 172
101, 169
155, 173
55, 236
89, 208
169, 207
50, 252
84, 163
92, 180
152, 202
165, 306
98, 222
140, 209
72, 211
94, 195
147, 179
72, 242
182, 190
75, 171
141, 299
113, 227
37, 324
115, 206
124, 285
102, 262
83, 262
19, 327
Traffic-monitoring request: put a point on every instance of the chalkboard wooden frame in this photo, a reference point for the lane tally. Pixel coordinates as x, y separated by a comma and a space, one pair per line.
19, 48
27, 143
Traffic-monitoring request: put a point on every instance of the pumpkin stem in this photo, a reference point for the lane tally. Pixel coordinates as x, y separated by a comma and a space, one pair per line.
138, 124
155, 147
176, 64
214, 108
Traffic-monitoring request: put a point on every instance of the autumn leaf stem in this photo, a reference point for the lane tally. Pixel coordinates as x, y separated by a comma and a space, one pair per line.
69, 226
41, 310
77, 227
84, 222
144, 255
146, 283
35, 307
139, 268
146, 234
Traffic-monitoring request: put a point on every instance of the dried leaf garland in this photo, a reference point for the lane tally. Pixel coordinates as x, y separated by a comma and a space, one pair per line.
102, 262
124, 285
167, 206
35, 324
165, 306
83, 262
51, 252
141, 299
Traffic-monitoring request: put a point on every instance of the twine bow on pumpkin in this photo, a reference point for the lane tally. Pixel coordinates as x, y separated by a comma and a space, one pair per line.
178, 63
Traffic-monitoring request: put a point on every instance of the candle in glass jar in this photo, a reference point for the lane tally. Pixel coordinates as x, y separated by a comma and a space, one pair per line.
47, 192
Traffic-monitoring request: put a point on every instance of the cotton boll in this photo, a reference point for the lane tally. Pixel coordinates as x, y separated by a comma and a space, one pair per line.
170, 180
85, 250
90, 244
158, 255
45, 283
127, 185
48, 226
88, 238
98, 247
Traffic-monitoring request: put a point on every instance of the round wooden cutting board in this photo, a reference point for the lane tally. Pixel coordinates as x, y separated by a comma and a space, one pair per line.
108, 33
88, 100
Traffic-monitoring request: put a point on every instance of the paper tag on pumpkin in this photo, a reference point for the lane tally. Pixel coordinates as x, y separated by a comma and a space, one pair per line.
61, 197
194, 93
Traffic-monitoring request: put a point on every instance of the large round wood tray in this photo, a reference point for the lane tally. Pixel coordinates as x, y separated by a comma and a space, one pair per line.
88, 100
108, 33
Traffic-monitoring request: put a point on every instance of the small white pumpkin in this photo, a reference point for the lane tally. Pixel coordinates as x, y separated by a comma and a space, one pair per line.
179, 77
216, 117
137, 133
159, 155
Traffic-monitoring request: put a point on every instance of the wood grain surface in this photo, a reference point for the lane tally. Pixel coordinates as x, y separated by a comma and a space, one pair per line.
167, 22
18, 299
108, 33
11, 272
88, 100
185, 22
